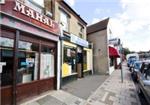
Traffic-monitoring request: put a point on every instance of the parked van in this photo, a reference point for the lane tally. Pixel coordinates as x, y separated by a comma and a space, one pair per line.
131, 58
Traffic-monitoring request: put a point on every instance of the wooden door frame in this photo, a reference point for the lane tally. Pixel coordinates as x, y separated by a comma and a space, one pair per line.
15, 66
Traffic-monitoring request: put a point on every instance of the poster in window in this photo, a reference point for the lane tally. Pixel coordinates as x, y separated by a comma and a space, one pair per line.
25, 45
6, 42
47, 66
68, 52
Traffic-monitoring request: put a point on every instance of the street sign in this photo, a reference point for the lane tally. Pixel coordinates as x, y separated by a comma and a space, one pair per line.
114, 41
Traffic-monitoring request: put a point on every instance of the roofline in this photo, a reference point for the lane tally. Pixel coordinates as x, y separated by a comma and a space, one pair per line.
100, 29
97, 31
85, 23
98, 22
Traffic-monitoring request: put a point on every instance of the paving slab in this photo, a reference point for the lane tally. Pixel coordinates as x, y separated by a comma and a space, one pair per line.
114, 92
109, 92
84, 87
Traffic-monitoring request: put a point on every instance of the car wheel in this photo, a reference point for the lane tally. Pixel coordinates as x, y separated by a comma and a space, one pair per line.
139, 92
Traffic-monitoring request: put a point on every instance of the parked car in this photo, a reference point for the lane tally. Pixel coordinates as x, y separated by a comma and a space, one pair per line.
144, 80
136, 68
130, 56
131, 61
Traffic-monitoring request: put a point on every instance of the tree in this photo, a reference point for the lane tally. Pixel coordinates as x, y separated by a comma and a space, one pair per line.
126, 51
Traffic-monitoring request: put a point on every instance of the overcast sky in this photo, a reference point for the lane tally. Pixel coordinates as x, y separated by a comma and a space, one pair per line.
129, 19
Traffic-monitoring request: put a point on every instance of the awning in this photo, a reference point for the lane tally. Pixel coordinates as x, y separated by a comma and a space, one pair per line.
113, 52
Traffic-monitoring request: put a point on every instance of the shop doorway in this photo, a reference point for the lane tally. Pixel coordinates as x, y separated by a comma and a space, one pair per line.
80, 62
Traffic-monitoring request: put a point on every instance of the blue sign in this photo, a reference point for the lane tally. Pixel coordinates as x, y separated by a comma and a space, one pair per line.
79, 41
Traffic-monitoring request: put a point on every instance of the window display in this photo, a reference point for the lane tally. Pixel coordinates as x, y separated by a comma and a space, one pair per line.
27, 62
70, 57
6, 42
47, 63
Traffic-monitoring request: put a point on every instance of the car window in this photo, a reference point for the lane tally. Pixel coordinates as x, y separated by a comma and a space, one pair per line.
148, 77
147, 73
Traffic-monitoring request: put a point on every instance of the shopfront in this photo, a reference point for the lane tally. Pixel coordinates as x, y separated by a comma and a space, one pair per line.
29, 49
75, 58
113, 55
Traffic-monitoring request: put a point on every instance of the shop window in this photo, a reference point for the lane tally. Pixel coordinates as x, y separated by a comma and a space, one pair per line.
70, 57
47, 62
84, 60
27, 62
38, 2
6, 55
6, 42
2, 1
81, 30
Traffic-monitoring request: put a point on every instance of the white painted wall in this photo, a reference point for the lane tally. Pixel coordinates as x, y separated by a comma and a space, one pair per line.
111, 69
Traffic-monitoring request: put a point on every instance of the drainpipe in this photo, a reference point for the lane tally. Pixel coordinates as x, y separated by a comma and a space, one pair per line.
58, 65
60, 59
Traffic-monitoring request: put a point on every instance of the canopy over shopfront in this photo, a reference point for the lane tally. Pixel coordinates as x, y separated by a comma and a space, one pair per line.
113, 52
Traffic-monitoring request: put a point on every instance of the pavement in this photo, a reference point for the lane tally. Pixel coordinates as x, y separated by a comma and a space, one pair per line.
84, 87
111, 91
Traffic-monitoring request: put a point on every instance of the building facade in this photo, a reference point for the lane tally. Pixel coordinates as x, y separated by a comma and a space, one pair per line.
76, 56
104, 55
28, 45
43, 45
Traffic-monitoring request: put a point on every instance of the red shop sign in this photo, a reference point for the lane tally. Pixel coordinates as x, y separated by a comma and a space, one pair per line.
19, 10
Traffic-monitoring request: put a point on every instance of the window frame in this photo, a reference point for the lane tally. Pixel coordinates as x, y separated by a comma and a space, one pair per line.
68, 20
36, 4
2, 1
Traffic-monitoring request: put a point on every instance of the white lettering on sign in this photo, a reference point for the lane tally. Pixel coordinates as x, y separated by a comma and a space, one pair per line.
33, 14
1, 65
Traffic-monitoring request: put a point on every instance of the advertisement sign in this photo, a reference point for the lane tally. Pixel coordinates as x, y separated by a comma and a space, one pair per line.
1, 65
47, 66
114, 41
7, 21
26, 14
79, 41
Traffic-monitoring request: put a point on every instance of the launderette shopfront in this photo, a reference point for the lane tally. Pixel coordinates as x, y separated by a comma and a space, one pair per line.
73, 58
28, 46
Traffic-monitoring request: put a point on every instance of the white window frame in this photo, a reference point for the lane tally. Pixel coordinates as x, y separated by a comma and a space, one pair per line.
65, 25
37, 4
2, 1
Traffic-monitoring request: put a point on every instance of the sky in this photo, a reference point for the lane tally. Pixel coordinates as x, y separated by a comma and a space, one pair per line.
129, 19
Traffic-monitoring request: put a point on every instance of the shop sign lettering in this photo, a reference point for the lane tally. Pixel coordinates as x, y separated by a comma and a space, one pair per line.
19, 7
